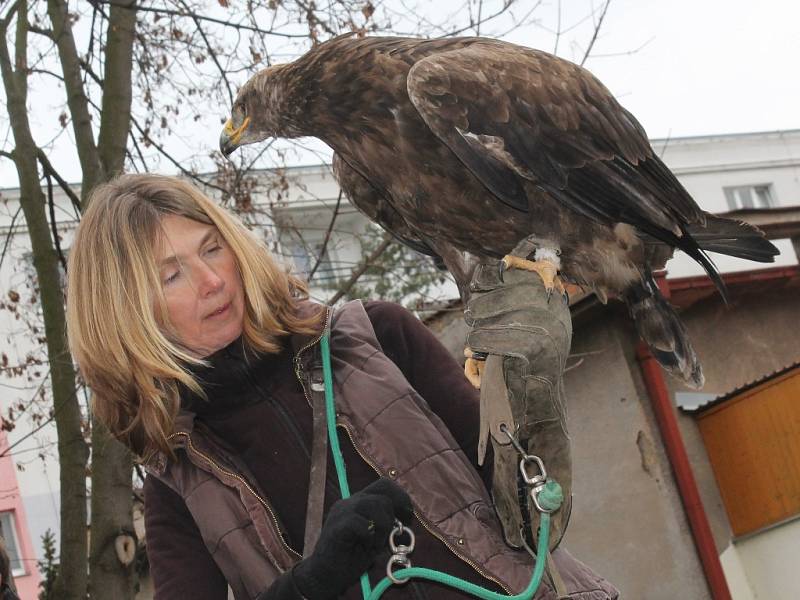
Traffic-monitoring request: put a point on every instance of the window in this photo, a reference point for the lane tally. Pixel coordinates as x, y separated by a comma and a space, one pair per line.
9, 532
305, 256
749, 196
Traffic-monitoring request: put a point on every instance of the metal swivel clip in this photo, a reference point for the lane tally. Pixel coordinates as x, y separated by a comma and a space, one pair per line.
535, 481
400, 552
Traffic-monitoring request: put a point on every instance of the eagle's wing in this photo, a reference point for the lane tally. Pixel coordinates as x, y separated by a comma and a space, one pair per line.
367, 199
513, 114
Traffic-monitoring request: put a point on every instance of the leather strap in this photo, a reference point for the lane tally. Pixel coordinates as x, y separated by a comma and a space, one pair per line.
555, 578
319, 459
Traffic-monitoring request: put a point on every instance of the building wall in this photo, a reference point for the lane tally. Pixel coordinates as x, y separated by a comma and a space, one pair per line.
27, 583
769, 560
705, 165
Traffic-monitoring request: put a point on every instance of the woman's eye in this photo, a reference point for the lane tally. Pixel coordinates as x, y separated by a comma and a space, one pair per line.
171, 278
213, 249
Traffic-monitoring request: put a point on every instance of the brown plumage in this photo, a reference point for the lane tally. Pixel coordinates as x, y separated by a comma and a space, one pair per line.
464, 147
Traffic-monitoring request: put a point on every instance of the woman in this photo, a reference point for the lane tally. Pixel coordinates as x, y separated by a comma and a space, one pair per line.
201, 353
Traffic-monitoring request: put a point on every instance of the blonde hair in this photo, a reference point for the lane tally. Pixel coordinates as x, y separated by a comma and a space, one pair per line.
126, 355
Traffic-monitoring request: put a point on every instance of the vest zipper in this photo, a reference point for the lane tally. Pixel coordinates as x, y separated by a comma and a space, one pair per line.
447, 545
306, 347
263, 502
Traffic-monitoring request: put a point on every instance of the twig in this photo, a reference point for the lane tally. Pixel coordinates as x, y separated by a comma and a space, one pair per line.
213, 54
596, 32
48, 169
326, 239
363, 266
506, 6
180, 13
558, 29
9, 234
52, 206
169, 157
666, 144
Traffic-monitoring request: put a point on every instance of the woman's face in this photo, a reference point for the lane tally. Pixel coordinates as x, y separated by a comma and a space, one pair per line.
201, 284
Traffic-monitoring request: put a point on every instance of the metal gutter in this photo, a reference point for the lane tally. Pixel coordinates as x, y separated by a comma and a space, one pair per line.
684, 477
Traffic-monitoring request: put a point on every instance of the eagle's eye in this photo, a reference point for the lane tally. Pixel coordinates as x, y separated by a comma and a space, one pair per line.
241, 107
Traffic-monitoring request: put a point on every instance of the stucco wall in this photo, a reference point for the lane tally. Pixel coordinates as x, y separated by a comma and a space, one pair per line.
27, 583
770, 561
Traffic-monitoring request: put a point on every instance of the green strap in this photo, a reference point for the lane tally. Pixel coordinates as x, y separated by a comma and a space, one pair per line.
551, 493
336, 450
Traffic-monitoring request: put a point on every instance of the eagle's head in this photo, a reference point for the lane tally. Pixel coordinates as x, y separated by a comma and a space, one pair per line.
259, 112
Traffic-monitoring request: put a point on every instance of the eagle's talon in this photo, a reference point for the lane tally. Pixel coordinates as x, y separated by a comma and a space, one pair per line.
546, 269
473, 366
501, 268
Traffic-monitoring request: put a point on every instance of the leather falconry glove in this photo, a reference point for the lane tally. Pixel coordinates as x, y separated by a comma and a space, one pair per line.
527, 337
355, 530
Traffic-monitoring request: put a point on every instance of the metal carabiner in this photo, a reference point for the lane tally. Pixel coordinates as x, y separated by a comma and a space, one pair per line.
536, 480
400, 552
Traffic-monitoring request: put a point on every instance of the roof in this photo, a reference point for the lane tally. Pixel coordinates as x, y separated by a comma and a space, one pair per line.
742, 388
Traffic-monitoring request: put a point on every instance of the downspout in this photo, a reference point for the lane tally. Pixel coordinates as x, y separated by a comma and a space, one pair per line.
687, 487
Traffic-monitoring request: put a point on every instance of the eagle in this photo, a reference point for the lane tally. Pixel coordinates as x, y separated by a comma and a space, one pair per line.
473, 150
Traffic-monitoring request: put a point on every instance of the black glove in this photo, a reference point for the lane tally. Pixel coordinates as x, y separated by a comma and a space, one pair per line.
356, 529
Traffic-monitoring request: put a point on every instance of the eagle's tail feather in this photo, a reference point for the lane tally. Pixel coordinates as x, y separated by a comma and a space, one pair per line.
734, 238
659, 326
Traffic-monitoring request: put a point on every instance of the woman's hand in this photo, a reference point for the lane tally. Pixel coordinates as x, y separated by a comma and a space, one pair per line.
355, 531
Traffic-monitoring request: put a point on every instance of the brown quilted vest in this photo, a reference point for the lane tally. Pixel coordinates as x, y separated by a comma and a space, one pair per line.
393, 430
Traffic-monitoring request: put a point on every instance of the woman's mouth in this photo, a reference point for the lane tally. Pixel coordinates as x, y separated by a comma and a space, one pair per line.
222, 310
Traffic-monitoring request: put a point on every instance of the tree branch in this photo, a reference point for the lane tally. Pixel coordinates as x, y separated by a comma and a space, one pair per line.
48, 169
48, 33
506, 5
361, 268
212, 53
115, 115
89, 158
596, 32
180, 13
326, 239
8, 16
53, 224
8, 236
169, 157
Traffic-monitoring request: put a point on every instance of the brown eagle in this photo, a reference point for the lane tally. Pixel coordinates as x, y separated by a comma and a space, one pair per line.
471, 149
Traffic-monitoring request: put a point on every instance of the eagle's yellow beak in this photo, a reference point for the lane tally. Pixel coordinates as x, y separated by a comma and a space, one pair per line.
229, 138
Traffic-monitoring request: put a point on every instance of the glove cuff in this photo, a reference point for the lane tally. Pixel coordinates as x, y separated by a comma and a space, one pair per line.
307, 585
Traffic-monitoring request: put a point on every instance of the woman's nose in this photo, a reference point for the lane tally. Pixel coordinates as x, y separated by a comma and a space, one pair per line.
209, 281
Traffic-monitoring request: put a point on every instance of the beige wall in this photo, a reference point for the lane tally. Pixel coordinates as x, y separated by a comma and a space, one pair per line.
770, 560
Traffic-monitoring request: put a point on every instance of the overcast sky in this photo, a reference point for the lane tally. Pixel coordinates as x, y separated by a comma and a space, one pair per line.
707, 66
682, 67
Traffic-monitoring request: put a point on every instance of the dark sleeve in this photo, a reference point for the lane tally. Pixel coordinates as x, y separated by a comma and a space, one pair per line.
283, 588
180, 564
432, 371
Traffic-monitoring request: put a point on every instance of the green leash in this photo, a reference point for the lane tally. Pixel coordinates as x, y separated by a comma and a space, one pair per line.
549, 498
